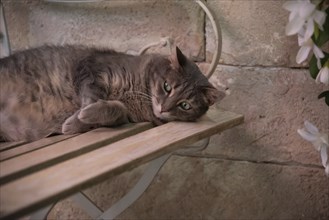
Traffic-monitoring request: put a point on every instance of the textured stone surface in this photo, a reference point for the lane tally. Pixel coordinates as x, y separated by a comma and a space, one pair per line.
18, 26
253, 33
68, 210
275, 103
126, 25
206, 188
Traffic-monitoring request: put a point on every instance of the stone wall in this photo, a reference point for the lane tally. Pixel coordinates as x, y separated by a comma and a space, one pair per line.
123, 25
259, 170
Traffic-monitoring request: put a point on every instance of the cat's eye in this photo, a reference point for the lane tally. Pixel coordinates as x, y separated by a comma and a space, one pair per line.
185, 106
167, 87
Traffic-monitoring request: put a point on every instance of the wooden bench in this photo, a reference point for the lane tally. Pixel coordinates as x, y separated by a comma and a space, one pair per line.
37, 174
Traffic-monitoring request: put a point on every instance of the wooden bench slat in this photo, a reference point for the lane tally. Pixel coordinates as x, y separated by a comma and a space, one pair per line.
58, 152
13, 152
36, 190
9, 145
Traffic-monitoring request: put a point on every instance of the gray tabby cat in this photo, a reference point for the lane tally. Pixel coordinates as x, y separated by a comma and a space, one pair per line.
72, 89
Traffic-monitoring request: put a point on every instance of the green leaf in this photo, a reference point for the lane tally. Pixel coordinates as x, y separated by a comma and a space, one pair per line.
321, 37
313, 67
316, 32
325, 94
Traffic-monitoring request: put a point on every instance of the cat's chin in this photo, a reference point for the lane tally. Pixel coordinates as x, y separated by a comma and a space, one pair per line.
157, 121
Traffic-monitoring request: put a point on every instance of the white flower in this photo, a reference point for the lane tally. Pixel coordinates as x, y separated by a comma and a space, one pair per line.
303, 13
319, 141
306, 47
323, 76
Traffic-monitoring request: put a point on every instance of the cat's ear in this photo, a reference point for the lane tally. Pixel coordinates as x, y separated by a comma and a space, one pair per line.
177, 58
213, 95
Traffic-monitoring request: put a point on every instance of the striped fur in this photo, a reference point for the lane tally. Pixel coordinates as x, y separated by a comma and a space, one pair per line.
72, 89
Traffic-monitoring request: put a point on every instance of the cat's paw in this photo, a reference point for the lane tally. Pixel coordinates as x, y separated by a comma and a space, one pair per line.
72, 125
106, 113
90, 113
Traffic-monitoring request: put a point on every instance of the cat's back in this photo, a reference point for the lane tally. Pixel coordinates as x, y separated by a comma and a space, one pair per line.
37, 62
39, 72
36, 90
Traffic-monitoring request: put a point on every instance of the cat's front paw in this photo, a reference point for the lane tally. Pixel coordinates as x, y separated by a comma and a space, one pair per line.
72, 125
90, 113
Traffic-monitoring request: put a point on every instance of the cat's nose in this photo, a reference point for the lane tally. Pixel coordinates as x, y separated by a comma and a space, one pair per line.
162, 110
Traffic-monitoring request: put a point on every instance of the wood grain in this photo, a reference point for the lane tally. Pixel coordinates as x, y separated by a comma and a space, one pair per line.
39, 159
16, 151
58, 181
9, 145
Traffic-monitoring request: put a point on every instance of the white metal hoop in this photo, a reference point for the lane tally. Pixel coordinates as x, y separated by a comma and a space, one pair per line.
218, 37
4, 39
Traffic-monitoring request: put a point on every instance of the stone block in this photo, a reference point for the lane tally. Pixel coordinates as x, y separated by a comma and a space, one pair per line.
122, 25
275, 103
253, 33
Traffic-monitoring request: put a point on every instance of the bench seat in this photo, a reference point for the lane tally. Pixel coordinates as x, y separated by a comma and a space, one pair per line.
34, 175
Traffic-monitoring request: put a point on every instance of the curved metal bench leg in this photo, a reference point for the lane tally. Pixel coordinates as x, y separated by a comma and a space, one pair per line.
4, 39
137, 190
86, 204
144, 182
42, 213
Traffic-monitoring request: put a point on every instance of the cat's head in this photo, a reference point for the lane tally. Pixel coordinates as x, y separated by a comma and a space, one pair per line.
180, 91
